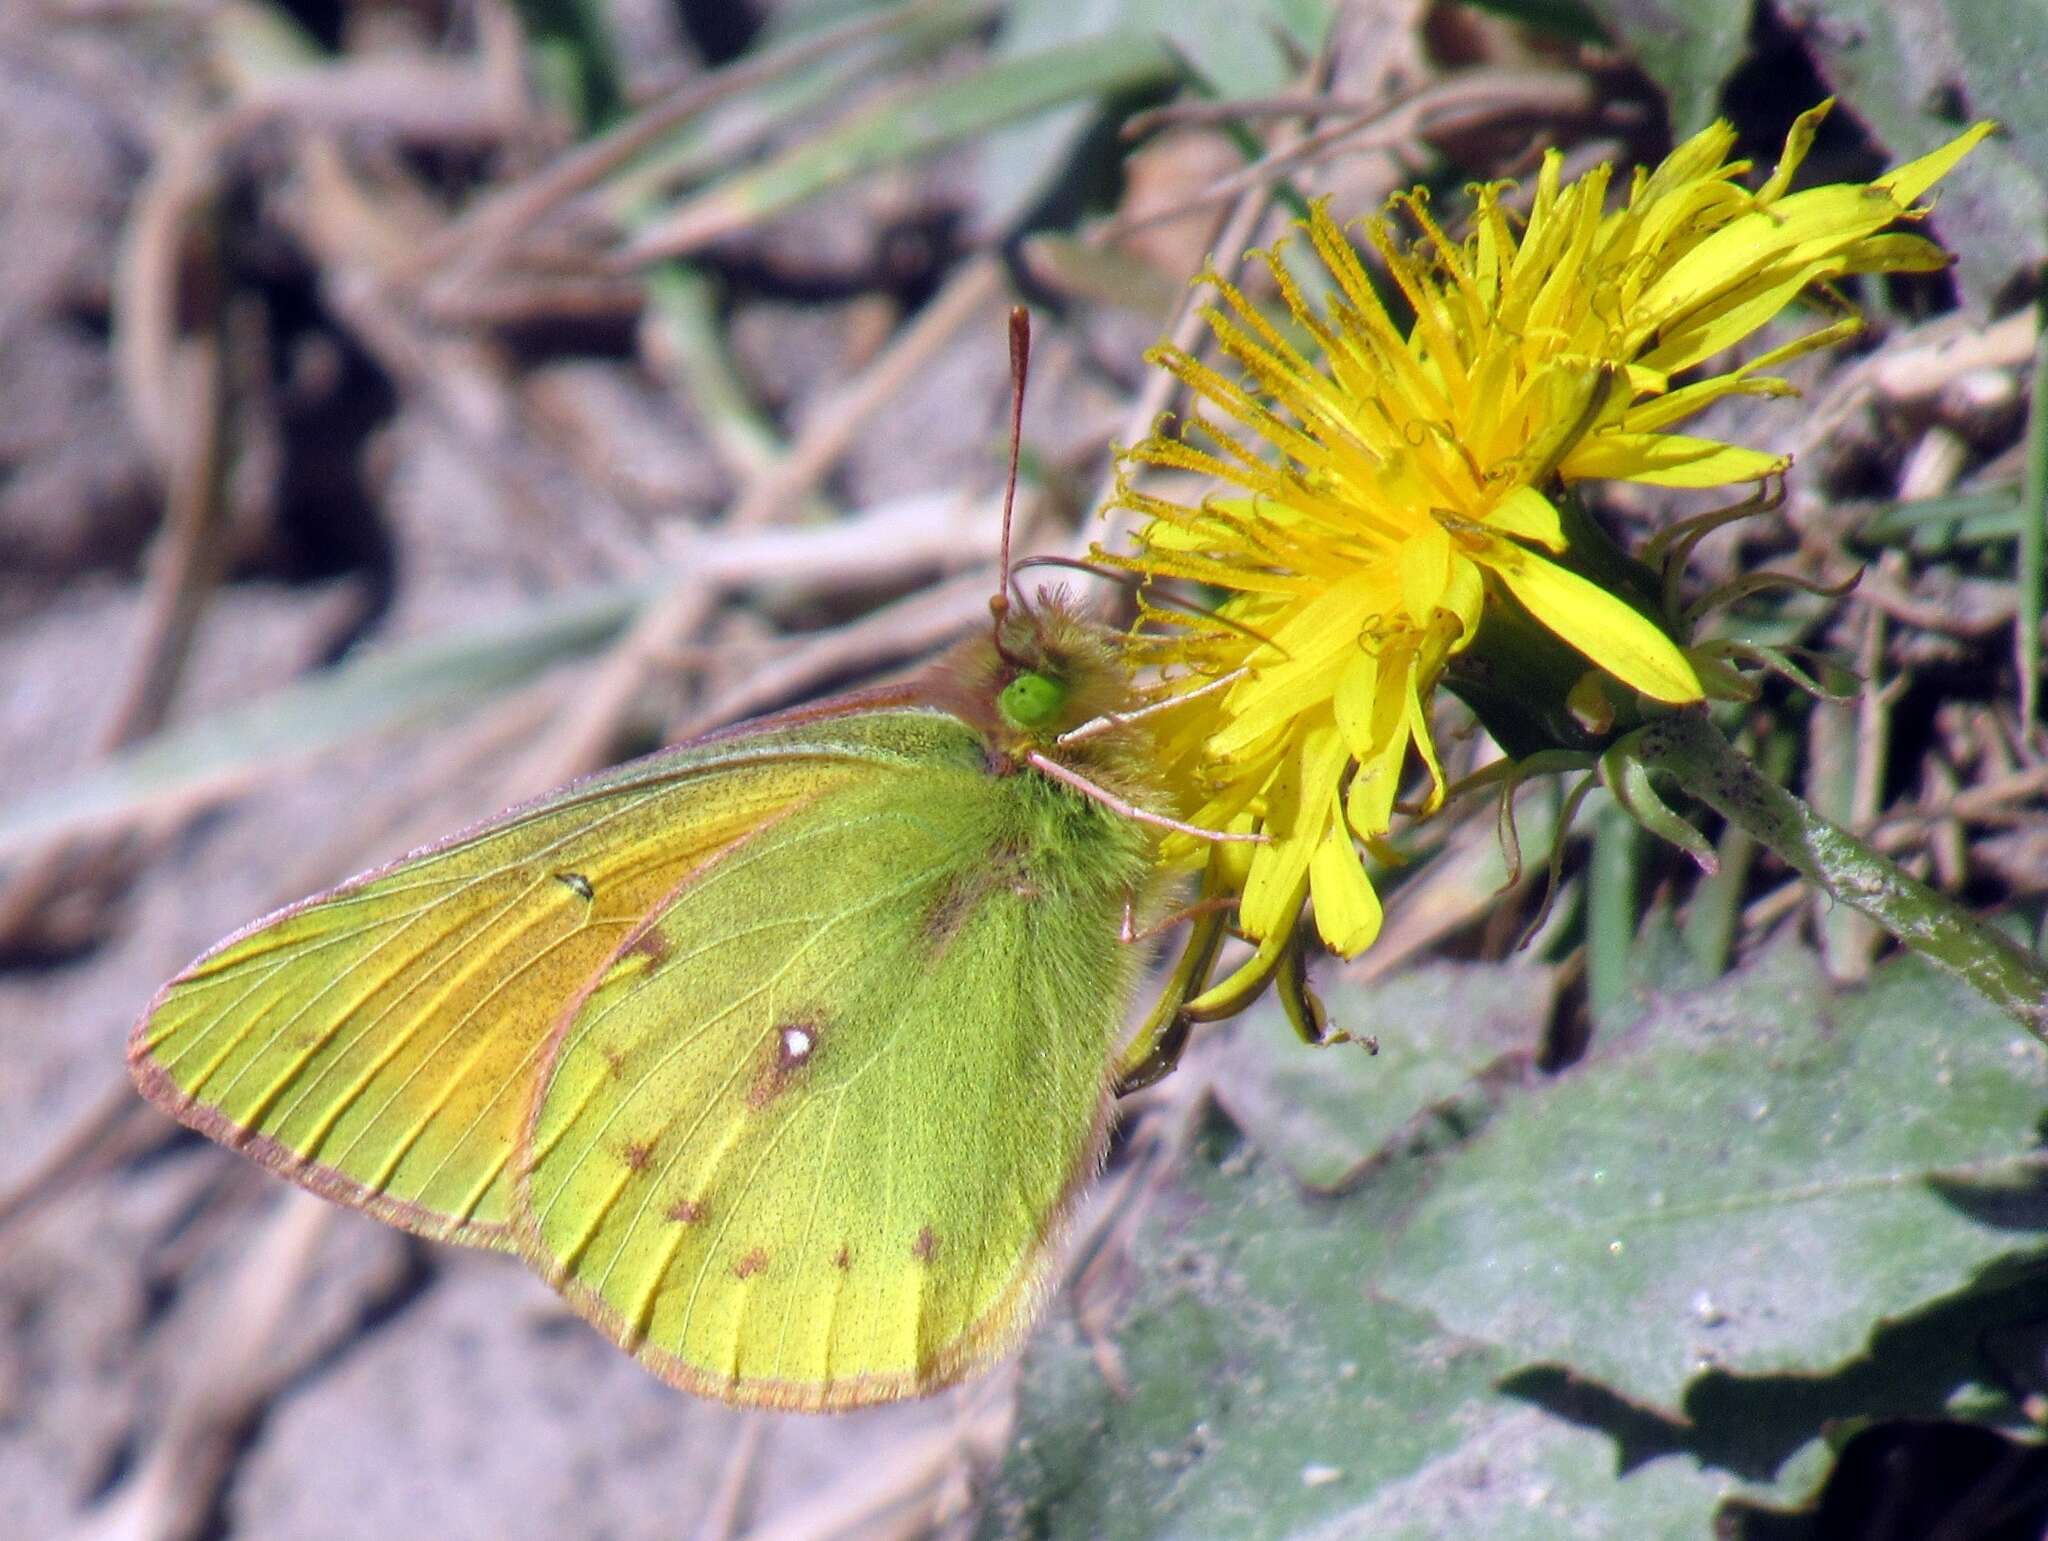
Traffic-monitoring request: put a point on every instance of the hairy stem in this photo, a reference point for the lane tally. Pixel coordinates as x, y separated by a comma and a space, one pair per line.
1688, 747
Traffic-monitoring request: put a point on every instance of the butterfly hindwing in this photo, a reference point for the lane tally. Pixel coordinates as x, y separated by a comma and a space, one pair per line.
381, 1043
805, 1140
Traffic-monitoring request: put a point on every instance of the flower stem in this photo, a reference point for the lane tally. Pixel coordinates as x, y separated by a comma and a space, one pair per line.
1692, 750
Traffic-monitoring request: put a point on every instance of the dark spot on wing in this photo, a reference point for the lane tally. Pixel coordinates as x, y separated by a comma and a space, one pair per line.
843, 1258
685, 1211
649, 944
949, 912
749, 1265
637, 1154
577, 884
792, 1046
1007, 867
926, 1245
640, 957
615, 1061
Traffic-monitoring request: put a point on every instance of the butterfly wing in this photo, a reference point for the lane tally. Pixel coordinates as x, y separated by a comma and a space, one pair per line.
805, 1142
381, 1043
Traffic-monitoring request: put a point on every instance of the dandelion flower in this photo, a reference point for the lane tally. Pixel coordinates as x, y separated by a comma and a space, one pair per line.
1382, 488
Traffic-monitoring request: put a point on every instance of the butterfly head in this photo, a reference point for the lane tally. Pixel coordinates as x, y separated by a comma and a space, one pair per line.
1041, 672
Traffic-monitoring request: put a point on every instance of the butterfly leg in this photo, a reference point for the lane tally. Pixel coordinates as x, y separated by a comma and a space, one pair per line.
1131, 932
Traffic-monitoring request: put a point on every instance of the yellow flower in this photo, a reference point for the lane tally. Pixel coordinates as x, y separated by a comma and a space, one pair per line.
1405, 479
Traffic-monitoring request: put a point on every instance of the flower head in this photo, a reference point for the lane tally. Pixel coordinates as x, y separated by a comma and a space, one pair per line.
1408, 479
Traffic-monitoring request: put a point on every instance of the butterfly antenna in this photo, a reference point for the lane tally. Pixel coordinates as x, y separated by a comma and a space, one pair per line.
1150, 595
1020, 367
1075, 564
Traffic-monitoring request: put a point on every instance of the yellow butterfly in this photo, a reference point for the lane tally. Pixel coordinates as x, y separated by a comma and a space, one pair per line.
782, 1054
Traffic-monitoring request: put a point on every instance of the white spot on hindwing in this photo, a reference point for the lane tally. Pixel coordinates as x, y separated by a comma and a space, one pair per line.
797, 1043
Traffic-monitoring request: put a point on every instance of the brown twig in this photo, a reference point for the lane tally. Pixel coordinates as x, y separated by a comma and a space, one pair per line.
1457, 102
234, 1374
482, 235
720, 1514
100, 1138
584, 741
911, 626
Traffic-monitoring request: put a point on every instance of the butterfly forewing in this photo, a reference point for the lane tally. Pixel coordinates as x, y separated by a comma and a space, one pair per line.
804, 1142
382, 1043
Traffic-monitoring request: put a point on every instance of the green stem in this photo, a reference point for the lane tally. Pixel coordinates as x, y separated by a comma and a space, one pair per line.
1691, 749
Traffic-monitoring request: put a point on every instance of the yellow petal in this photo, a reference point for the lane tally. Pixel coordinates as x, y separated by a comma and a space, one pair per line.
1599, 625
1899, 252
1669, 460
1347, 910
1466, 598
1300, 798
1528, 515
1425, 572
1710, 329
1369, 803
1906, 183
1273, 891
1357, 688
1423, 673
1696, 398
1314, 643
1797, 142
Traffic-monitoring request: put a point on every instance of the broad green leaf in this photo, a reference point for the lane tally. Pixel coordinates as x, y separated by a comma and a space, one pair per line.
1295, 1369
1325, 1113
1917, 75
1273, 1394
1520, 1474
1689, 47
1970, 1359
1749, 1182
369, 693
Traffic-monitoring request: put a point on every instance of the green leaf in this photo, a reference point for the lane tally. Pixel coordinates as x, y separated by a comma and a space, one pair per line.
1851, 1221
1273, 1394
1689, 47
1971, 1359
1932, 526
368, 693
1325, 1113
575, 56
1233, 48
923, 120
1571, 19
1519, 1474
1917, 75
1750, 1181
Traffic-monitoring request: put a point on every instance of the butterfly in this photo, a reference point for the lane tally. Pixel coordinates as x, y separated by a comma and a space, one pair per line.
782, 1054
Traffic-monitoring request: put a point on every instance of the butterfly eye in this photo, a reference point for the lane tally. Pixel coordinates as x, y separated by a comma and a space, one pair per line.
1031, 700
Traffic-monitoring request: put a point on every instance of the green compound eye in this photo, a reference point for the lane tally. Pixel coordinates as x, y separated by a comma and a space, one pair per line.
1031, 700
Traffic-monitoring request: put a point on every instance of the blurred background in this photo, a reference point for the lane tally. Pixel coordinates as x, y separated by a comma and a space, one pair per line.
406, 406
